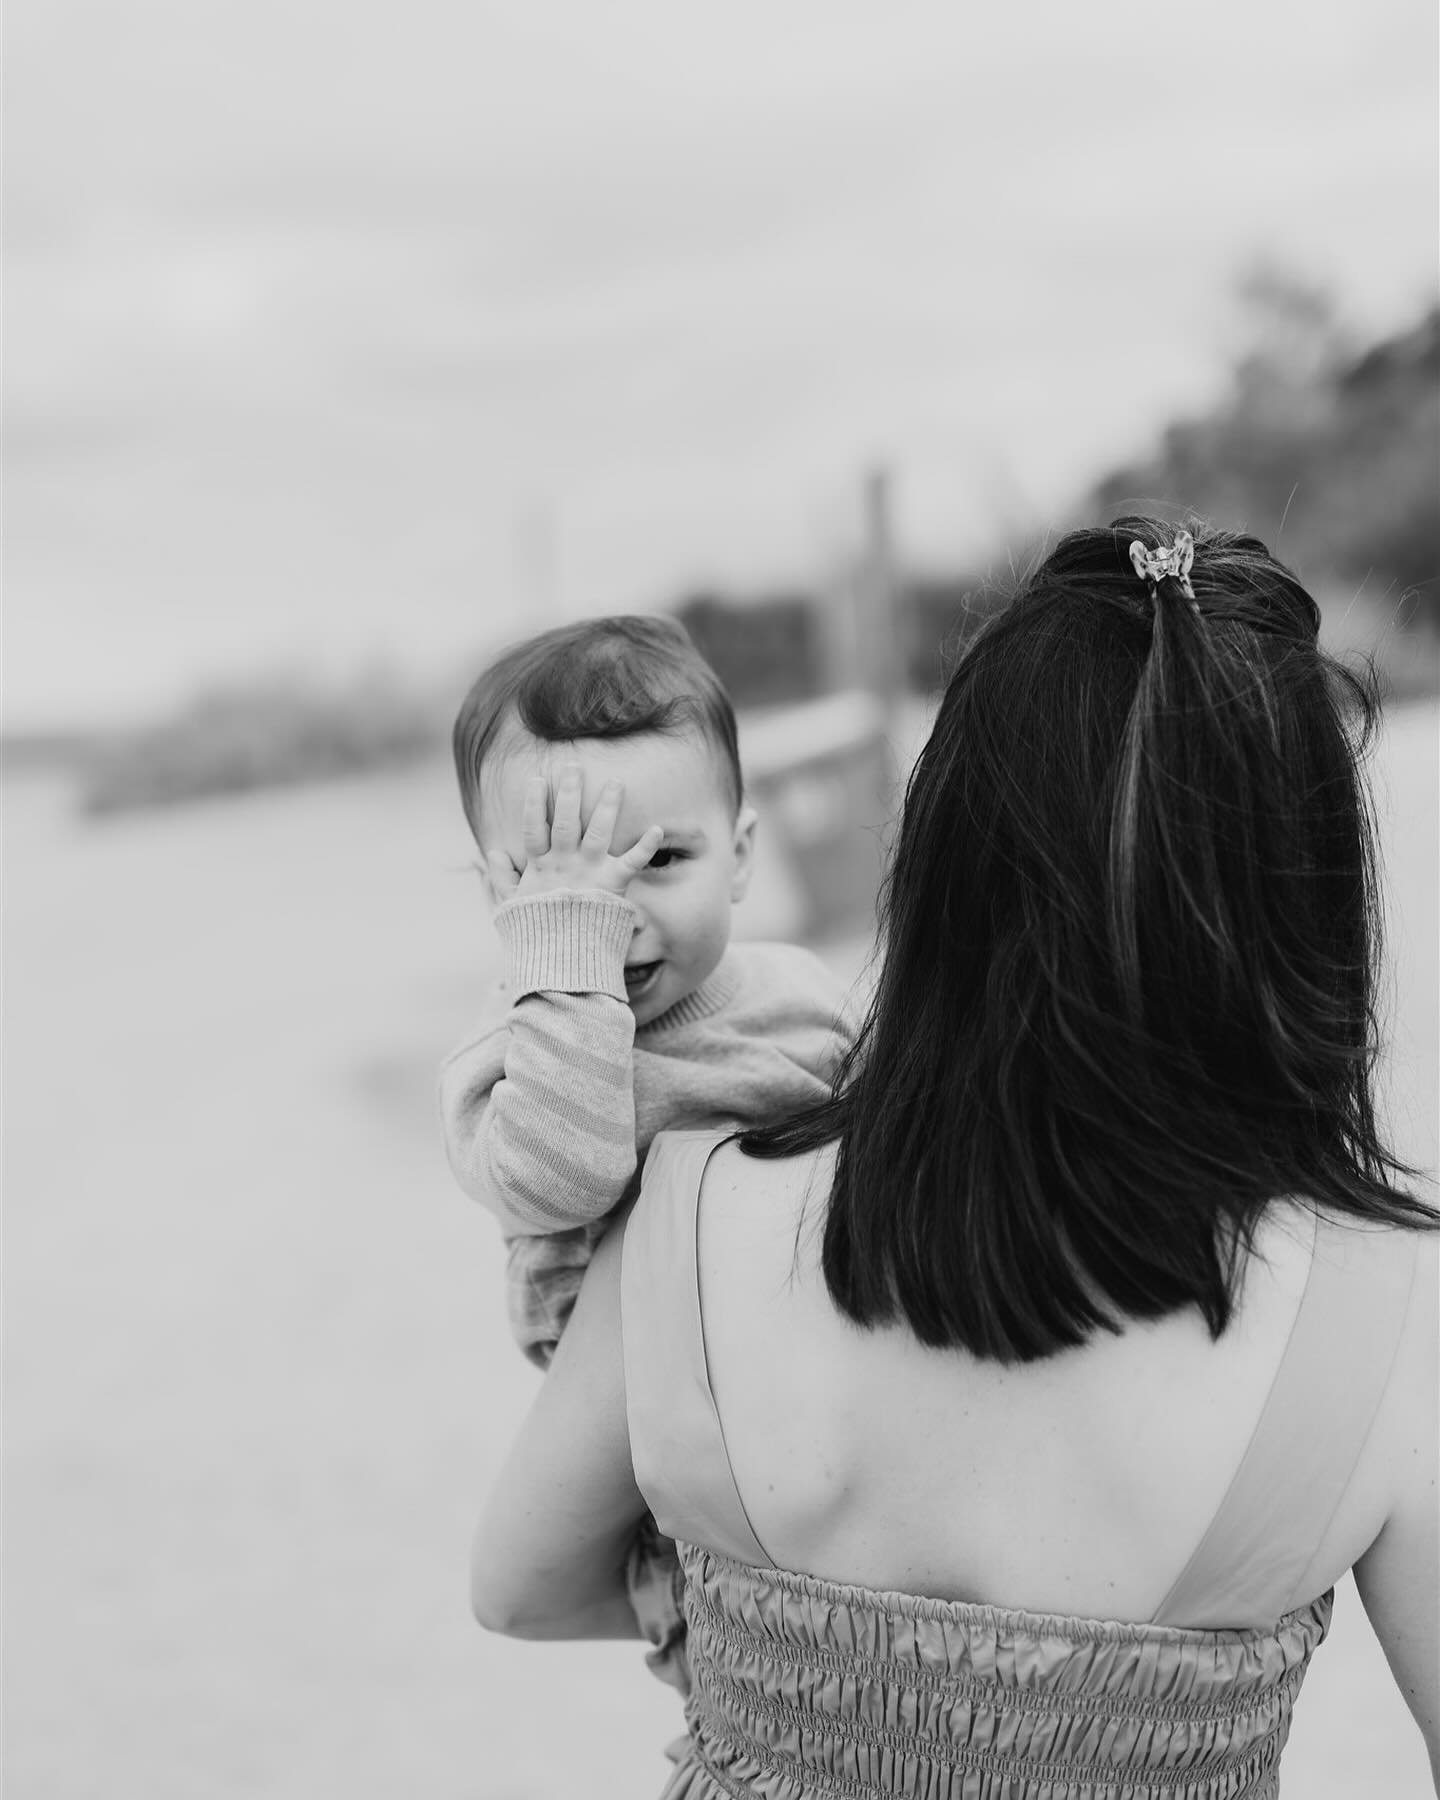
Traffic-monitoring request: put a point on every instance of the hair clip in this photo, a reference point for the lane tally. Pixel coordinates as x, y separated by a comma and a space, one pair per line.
1175, 563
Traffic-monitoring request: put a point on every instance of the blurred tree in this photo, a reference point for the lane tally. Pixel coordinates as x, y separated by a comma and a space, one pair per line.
1331, 456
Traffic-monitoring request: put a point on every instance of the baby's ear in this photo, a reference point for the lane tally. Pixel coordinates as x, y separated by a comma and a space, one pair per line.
744, 845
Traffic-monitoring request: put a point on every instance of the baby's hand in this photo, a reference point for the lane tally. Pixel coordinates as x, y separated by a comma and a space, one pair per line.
562, 851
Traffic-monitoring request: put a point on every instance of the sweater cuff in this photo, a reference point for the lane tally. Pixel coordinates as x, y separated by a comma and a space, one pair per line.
572, 943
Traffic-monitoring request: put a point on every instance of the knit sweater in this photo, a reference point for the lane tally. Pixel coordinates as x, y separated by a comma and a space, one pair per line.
549, 1109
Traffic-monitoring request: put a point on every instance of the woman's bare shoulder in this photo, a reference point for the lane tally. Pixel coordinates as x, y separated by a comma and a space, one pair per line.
760, 1225
740, 1187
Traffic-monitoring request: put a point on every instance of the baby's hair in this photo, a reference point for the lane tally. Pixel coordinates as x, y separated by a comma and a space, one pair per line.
600, 678
1130, 930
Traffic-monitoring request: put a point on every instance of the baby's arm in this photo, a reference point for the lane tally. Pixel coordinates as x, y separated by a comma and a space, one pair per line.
539, 1111
542, 1279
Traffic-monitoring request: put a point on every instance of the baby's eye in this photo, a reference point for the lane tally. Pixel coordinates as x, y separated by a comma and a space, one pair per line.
664, 856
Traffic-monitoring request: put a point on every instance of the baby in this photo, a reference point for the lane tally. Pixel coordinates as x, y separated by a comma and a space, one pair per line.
600, 775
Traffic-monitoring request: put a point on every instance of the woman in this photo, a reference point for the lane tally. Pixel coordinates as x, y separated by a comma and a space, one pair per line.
1017, 1410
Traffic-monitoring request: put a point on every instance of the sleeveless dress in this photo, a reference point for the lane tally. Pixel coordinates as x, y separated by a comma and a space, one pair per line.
805, 1689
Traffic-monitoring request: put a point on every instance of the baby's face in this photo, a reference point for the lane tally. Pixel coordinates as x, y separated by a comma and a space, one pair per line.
683, 898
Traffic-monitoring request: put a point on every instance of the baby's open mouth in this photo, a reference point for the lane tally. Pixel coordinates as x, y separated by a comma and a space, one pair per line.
640, 978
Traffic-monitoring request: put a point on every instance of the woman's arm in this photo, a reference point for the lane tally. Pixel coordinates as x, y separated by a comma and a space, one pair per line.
549, 1554
1399, 1575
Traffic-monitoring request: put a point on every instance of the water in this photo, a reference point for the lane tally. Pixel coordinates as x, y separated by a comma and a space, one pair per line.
257, 1374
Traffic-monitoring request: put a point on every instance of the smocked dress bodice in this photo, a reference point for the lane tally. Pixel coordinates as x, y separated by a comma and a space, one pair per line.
804, 1689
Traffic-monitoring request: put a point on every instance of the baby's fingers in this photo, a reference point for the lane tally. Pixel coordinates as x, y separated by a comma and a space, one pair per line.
600, 832
535, 822
504, 877
645, 846
565, 821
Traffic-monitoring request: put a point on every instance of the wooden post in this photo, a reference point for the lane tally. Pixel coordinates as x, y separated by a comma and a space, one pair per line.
862, 617
881, 594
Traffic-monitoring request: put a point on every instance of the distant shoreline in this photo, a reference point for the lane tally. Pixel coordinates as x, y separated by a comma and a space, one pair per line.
74, 763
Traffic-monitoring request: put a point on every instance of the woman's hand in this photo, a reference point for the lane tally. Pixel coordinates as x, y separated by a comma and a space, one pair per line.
549, 1554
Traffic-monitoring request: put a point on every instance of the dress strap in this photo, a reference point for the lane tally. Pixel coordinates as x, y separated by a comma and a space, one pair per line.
1317, 1416
682, 1465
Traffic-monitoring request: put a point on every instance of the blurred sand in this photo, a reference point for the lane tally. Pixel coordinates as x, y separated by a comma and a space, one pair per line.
257, 1376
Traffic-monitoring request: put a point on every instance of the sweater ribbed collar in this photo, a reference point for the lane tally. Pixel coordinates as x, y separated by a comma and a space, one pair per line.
715, 992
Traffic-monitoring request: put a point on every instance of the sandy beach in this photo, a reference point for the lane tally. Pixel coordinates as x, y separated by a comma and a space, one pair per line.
257, 1375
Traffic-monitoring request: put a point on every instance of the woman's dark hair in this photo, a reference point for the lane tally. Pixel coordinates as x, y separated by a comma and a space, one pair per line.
1129, 940
600, 678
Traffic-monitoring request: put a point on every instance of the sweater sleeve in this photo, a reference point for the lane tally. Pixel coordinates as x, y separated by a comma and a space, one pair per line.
539, 1111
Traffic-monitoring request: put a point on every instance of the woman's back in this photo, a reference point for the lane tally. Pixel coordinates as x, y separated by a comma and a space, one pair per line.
1079, 1484
910, 1571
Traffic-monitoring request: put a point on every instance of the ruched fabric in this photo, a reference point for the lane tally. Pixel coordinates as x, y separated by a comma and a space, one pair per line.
805, 1690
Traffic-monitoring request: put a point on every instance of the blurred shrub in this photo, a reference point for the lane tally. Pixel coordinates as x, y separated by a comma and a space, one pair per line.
1329, 454
267, 734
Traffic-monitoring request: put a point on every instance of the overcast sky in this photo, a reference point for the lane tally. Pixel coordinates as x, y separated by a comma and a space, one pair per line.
340, 331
